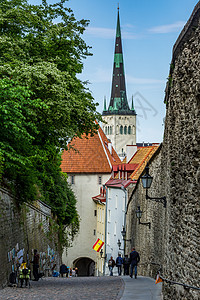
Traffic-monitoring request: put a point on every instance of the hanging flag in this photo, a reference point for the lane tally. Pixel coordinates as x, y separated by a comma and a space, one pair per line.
97, 246
158, 279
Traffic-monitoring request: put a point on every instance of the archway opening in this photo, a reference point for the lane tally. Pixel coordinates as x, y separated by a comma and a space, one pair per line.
85, 265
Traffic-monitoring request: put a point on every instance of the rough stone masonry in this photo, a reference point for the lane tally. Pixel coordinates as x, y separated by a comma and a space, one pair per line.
174, 238
22, 230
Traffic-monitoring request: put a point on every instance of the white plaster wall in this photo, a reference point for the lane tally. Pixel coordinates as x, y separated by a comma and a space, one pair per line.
118, 140
85, 187
115, 222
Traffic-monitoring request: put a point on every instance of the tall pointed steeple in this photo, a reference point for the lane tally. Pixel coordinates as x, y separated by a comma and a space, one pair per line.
118, 101
119, 119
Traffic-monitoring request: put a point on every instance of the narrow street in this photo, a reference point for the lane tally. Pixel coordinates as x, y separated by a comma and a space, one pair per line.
88, 288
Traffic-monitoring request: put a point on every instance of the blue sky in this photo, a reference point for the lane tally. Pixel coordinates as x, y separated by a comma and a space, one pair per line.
149, 31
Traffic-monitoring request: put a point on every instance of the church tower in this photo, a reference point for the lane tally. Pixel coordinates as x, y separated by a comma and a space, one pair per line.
120, 120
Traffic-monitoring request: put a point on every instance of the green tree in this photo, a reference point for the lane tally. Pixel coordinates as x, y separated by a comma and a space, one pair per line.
41, 53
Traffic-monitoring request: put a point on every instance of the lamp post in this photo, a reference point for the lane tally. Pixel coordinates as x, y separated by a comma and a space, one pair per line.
139, 215
146, 182
123, 232
101, 254
119, 245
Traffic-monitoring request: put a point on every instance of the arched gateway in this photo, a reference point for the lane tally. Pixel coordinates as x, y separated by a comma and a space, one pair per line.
85, 265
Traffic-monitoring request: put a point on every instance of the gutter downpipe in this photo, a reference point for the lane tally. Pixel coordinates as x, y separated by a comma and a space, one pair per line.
125, 192
105, 254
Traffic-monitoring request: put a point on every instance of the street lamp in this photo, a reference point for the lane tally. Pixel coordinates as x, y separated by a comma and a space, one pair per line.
119, 245
123, 232
101, 254
146, 182
139, 215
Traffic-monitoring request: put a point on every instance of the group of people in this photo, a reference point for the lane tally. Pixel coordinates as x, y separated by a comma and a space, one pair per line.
128, 263
69, 272
25, 272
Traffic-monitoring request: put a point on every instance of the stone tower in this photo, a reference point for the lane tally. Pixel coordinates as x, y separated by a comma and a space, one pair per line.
120, 119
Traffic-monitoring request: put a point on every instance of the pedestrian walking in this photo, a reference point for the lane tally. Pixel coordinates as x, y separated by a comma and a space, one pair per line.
35, 265
134, 260
111, 264
119, 263
126, 263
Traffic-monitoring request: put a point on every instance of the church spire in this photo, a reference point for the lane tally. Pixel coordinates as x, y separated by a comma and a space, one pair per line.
118, 101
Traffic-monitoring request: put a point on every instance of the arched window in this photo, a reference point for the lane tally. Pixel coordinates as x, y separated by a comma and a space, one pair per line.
125, 129
106, 130
117, 129
133, 129
110, 129
121, 129
129, 129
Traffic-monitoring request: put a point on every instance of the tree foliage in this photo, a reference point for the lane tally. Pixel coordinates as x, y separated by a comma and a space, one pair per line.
43, 103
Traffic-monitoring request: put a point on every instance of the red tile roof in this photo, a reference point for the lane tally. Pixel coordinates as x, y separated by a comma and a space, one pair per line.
118, 183
89, 155
141, 157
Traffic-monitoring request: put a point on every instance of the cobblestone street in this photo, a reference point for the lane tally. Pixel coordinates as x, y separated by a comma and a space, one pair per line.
68, 288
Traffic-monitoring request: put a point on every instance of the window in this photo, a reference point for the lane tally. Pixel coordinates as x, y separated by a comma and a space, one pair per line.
100, 180
116, 201
94, 231
72, 179
110, 129
123, 204
109, 215
95, 212
106, 130
129, 129
125, 129
108, 238
121, 129
117, 129
115, 228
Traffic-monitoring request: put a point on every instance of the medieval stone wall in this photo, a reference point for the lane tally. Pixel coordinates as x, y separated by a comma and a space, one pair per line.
174, 238
180, 160
22, 231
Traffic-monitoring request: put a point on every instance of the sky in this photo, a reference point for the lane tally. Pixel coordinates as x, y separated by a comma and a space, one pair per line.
149, 30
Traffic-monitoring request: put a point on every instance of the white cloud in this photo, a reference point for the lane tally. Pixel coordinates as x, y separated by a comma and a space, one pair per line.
108, 33
167, 28
134, 80
105, 76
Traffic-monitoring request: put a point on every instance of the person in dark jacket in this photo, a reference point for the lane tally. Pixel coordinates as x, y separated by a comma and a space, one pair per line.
126, 264
119, 263
63, 270
111, 264
35, 262
134, 260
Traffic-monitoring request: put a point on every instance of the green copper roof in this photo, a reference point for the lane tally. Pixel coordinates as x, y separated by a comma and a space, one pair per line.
118, 100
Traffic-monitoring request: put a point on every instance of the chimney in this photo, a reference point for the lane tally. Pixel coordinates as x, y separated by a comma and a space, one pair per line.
130, 151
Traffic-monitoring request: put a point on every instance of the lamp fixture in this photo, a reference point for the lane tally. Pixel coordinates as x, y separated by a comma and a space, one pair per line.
101, 254
146, 182
139, 215
119, 245
123, 232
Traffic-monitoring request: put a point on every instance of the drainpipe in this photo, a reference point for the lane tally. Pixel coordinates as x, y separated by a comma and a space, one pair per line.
125, 193
105, 254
